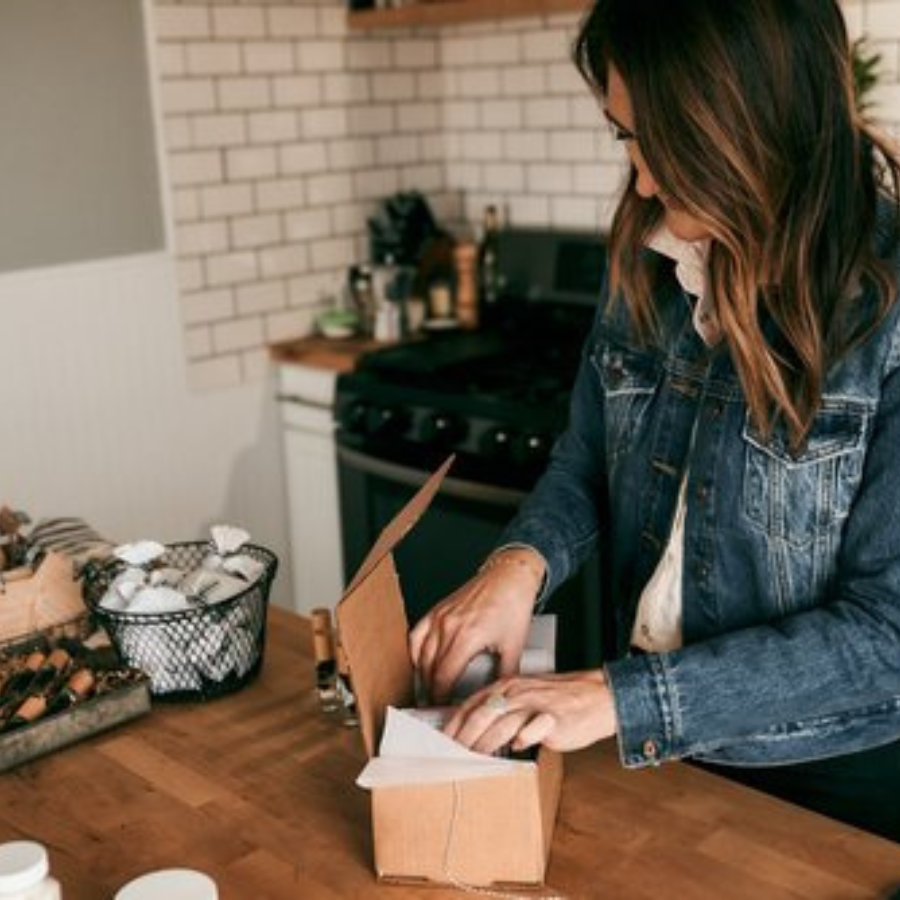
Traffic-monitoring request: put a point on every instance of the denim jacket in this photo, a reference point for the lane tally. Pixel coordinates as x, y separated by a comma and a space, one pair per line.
791, 582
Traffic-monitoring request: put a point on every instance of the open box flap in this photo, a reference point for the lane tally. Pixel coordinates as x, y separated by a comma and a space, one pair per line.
401, 524
373, 626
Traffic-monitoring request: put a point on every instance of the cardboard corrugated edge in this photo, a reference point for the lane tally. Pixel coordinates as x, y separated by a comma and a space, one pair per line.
487, 832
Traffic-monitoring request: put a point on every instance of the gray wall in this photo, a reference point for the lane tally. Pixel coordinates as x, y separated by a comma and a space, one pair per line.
78, 173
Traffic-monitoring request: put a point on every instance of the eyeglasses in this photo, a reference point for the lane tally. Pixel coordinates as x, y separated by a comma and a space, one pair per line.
618, 131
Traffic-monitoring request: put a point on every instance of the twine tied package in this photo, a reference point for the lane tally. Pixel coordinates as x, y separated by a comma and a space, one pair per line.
479, 822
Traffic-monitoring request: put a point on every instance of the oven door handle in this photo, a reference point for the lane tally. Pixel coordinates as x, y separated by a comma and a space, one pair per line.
507, 498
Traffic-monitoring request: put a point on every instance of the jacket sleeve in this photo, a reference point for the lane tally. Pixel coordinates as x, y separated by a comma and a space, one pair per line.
822, 671
559, 518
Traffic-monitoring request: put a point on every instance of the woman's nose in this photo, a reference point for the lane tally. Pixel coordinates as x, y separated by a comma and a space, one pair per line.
645, 184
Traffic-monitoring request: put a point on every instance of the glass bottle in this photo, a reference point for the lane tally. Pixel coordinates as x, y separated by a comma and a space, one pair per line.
326, 663
25, 872
488, 261
345, 688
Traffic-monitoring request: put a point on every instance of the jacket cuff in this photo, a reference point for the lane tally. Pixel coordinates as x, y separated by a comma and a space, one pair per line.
644, 708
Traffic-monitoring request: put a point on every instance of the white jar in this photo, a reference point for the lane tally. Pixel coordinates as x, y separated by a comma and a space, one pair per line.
169, 884
25, 872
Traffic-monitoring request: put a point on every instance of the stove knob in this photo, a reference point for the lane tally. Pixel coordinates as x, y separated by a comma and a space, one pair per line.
497, 443
389, 421
535, 447
443, 429
354, 417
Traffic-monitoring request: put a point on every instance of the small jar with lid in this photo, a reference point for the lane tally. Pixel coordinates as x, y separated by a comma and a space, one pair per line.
25, 872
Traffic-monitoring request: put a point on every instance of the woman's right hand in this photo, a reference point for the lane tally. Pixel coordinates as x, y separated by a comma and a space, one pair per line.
490, 612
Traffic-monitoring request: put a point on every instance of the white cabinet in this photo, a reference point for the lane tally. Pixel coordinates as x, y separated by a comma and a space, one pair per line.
306, 396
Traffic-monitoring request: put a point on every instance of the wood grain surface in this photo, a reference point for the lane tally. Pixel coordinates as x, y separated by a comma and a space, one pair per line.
257, 789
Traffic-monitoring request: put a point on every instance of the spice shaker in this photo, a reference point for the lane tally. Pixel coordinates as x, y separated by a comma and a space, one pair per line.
25, 872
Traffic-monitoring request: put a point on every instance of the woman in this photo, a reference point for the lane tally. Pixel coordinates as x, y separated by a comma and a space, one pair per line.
734, 438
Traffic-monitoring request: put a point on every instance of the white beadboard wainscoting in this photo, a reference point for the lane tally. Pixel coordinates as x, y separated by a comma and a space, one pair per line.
97, 419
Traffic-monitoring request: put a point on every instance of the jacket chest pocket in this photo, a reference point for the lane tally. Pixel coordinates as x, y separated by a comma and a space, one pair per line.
629, 382
799, 498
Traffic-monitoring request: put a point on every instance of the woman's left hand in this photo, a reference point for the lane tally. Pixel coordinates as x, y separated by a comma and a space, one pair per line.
562, 712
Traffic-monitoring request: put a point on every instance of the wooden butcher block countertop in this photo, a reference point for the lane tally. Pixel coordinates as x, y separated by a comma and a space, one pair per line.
257, 789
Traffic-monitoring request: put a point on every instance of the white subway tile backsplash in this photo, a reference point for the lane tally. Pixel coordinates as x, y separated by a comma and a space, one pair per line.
370, 120
505, 178
345, 88
226, 200
297, 91
250, 162
243, 93
376, 184
199, 307
354, 153
368, 55
332, 253
397, 150
882, 20
285, 131
478, 83
328, 122
280, 194
549, 179
284, 261
199, 168
320, 56
523, 81
201, 238
231, 268
293, 21
182, 22
213, 59
498, 49
308, 224
528, 211
264, 297
219, 130
274, 127
548, 113
418, 117
545, 45
481, 145
237, 334
393, 86
255, 231
526, 146
238, 22
183, 95
329, 188
268, 57
303, 159
424, 178
418, 53
574, 146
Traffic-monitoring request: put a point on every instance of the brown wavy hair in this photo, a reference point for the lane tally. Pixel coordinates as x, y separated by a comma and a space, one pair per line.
745, 114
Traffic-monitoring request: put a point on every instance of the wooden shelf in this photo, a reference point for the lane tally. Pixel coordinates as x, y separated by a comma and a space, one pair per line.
453, 12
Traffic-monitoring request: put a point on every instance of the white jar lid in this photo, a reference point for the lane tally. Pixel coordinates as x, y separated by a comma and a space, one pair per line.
23, 864
168, 884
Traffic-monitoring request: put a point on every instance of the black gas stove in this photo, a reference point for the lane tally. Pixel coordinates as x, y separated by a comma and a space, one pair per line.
498, 397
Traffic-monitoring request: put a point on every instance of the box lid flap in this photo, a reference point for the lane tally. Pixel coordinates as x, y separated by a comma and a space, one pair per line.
372, 622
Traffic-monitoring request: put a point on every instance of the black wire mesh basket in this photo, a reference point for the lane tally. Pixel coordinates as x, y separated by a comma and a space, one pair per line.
200, 653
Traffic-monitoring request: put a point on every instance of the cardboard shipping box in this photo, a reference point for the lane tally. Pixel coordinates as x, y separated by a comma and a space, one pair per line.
491, 831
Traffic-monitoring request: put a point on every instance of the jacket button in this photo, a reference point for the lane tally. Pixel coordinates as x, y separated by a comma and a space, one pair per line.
650, 750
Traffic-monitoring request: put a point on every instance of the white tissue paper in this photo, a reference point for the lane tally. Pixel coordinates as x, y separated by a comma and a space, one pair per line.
414, 751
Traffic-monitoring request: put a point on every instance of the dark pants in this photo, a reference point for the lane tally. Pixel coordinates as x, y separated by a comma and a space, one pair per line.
861, 789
